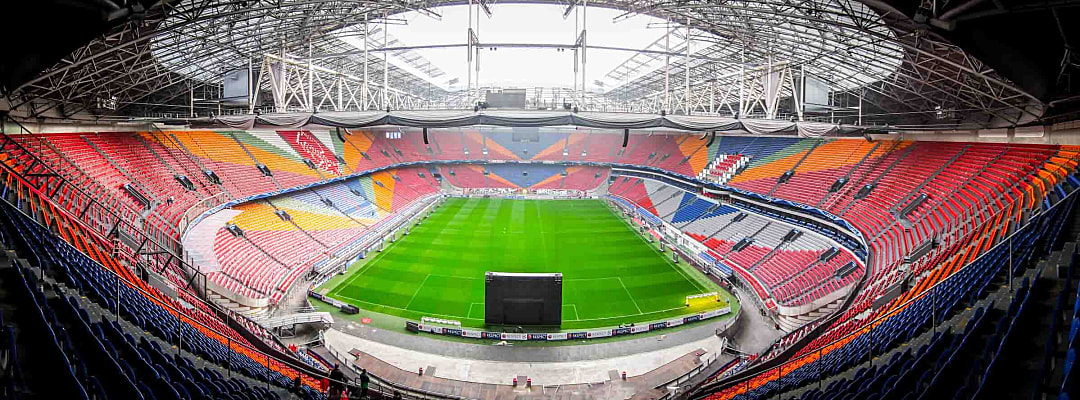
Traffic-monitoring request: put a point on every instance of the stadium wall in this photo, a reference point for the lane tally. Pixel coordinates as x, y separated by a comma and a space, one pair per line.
1065, 133
817, 218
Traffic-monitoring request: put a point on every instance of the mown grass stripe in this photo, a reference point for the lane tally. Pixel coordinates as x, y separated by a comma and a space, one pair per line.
611, 274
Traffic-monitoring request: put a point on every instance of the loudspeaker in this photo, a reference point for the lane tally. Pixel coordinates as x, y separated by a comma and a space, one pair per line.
625, 137
868, 138
425, 136
712, 137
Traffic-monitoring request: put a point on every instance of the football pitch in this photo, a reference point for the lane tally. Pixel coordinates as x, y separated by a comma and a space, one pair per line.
611, 275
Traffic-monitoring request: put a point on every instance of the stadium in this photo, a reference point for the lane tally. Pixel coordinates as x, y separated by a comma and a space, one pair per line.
539, 199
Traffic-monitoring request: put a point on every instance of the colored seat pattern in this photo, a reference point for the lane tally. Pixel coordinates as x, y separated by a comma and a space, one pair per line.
276, 249
81, 259
974, 193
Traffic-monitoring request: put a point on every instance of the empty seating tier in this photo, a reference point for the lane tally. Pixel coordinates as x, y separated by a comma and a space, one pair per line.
963, 198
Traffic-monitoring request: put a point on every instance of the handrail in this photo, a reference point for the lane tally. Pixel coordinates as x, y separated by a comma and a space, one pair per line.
134, 230
181, 315
825, 323
133, 285
199, 207
422, 394
892, 310
149, 240
145, 246
188, 272
814, 326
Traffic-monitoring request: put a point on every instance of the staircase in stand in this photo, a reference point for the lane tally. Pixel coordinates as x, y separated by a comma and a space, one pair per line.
847, 176
880, 176
151, 207
795, 167
255, 160
918, 189
293, 223
724, 167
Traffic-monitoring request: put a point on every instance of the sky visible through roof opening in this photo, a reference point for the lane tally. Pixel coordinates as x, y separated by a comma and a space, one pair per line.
527, 68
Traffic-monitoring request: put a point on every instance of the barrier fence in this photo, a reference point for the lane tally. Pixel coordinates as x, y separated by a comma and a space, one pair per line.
939, 298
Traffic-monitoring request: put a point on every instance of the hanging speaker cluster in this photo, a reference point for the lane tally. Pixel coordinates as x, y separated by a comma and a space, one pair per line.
425, 136
625, 137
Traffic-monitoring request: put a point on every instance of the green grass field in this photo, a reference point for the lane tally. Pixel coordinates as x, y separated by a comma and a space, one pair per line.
611, 275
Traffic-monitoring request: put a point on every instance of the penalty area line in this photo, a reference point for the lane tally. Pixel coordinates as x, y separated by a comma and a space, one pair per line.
630, 296
469, 316
673, 265
577, 317
630, 315
417, 291
375, 305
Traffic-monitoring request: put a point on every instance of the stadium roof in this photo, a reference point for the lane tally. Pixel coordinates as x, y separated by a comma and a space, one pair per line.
150, 58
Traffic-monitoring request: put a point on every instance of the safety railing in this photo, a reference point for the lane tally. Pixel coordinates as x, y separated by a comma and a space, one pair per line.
238, 347
936, 295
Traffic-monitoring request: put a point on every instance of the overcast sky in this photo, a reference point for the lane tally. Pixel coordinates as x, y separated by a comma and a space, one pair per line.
525, 23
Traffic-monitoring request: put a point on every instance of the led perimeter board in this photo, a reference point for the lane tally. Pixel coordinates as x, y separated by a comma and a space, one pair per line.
522, 299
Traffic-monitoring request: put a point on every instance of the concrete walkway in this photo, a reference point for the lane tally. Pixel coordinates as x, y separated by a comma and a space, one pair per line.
482, 349
754, 332
502, 372
199, 240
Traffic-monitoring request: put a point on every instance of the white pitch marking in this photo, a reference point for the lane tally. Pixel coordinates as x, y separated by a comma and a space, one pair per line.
631, 296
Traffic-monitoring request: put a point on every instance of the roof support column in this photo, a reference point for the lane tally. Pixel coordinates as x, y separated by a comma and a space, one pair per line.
310, 79
251, 87
667, 67
742, 83
861, 92
469, 53
584, 47
577, 55
364, 85
476, 37
386, 67
686, 60
797, 91
282, 77
712, 97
